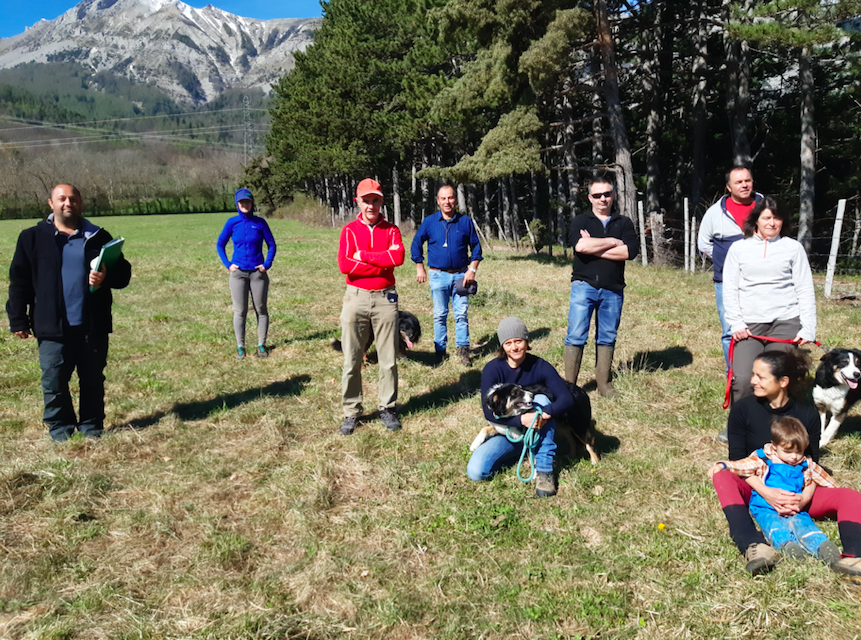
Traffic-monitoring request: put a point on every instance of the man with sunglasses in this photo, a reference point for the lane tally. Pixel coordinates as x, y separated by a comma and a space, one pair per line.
603, 240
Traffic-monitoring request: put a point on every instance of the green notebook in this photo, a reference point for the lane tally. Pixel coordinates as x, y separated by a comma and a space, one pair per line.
108, 256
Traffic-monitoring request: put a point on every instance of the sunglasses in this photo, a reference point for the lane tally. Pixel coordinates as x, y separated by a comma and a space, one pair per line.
598, 196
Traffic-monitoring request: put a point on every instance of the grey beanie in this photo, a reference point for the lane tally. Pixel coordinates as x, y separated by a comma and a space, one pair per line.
511, 327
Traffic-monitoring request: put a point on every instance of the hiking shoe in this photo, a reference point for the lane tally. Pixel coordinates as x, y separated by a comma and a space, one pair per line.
438, 357
349, 425
390, 420
850, 567
793, 550
828, 553
240, 353
722, 437
261, 351
760, 558
545, 485
463, 354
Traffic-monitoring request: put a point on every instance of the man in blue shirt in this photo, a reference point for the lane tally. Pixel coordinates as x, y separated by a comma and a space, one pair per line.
450, 237
50, 297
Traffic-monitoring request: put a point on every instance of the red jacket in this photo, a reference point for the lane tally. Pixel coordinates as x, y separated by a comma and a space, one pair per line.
382, 249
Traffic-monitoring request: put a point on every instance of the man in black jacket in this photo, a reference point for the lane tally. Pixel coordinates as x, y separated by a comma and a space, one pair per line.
50, 298
603, 240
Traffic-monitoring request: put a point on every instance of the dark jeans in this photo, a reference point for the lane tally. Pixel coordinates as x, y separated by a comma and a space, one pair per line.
58, 358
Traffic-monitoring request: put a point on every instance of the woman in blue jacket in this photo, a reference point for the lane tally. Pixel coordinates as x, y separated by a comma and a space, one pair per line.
248, 269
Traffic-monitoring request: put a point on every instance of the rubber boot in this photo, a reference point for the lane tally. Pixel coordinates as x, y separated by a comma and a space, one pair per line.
603, 364
573, 356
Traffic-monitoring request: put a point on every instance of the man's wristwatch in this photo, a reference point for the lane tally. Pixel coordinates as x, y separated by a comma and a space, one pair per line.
471, 269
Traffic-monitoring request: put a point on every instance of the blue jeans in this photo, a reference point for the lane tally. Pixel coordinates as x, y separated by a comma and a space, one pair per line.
607, 305
442, 286
780, 530
725, 331
58, 358
497, 452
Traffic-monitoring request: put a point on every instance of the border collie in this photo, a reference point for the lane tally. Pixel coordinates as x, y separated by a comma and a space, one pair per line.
409, 332
837, 388
508, 400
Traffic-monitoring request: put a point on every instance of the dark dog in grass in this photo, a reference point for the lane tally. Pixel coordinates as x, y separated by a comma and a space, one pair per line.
837, 388
409, 332
573, 428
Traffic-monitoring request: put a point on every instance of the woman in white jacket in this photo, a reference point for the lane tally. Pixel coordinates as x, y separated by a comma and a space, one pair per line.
767, 291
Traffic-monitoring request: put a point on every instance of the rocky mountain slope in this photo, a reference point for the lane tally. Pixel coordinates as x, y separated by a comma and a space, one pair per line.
191, 54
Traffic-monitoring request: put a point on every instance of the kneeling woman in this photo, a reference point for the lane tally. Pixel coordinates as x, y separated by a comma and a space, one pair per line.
776, 378
513, 365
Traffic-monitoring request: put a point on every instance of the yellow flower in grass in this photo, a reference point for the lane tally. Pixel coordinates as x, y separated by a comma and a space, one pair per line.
662, 526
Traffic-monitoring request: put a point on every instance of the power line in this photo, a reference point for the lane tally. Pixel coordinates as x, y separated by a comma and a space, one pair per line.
110, 136
60, 125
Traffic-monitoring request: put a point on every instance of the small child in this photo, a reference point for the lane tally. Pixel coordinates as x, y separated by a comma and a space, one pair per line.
783, 465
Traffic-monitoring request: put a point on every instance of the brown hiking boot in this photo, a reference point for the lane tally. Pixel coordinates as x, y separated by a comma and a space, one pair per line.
760, 559
849, 567
545, 485
463, 354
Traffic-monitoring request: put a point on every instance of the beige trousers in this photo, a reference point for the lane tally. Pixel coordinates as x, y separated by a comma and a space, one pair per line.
362, 312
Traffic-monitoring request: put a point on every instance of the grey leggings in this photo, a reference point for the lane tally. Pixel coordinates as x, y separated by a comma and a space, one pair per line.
241, 283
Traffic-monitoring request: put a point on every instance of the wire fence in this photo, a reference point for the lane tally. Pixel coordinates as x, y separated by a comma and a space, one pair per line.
837, 256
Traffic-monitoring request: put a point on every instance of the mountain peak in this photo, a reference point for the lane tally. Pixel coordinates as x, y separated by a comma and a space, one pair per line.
192, 54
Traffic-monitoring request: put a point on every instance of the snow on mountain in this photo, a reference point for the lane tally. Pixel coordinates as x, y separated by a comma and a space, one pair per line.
191, 54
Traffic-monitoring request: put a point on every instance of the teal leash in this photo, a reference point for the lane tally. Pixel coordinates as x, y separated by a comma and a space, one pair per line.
530, 443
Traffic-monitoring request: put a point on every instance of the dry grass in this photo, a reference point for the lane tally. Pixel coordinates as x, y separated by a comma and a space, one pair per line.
223, 503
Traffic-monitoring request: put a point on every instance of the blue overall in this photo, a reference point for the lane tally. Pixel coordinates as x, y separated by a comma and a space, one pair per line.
780, 530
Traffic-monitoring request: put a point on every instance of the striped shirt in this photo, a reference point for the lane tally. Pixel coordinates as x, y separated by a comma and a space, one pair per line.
753, 465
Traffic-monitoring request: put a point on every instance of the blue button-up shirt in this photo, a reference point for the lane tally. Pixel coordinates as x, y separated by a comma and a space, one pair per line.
449, 242
75, 274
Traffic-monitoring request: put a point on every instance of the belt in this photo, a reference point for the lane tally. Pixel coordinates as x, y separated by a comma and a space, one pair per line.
448, 270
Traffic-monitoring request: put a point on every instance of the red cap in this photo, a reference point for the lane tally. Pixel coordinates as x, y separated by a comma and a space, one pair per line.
367, 187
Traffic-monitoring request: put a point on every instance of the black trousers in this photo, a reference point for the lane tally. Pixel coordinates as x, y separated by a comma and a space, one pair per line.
58, 358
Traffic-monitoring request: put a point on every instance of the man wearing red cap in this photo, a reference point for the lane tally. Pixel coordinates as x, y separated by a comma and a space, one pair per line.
369, 250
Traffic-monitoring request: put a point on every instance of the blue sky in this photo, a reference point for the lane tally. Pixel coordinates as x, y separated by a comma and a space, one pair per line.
19, 14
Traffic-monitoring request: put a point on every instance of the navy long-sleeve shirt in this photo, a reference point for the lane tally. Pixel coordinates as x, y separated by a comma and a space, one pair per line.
533, 370
749, 425
449, 242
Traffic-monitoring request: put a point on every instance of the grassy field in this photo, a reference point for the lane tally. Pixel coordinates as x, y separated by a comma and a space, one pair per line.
223, 503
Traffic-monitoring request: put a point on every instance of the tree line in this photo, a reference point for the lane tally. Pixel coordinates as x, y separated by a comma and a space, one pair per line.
518, 101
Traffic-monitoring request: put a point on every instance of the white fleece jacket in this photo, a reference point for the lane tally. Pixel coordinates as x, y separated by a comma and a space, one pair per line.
769, 280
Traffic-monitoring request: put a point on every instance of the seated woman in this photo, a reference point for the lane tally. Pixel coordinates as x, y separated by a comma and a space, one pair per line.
776, 378
513, 365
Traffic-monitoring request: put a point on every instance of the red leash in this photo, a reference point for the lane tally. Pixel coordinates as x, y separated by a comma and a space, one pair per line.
732, 350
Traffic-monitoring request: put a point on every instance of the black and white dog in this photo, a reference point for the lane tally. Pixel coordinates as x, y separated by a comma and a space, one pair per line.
573, 427
837, 388
409, 332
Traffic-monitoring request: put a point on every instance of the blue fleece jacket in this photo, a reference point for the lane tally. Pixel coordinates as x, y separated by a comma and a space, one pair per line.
247, 232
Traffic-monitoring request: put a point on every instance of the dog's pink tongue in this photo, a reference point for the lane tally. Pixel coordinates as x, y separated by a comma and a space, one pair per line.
410, 343
853, 384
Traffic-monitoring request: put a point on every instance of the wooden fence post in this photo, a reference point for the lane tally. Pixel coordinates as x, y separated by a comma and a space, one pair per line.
643, 252
687, 239
835, 245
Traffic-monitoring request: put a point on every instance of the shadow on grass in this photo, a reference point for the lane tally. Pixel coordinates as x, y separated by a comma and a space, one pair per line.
467, 385
670, 358
489, 343
188, 411
543, 258
852, 424
313, 337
